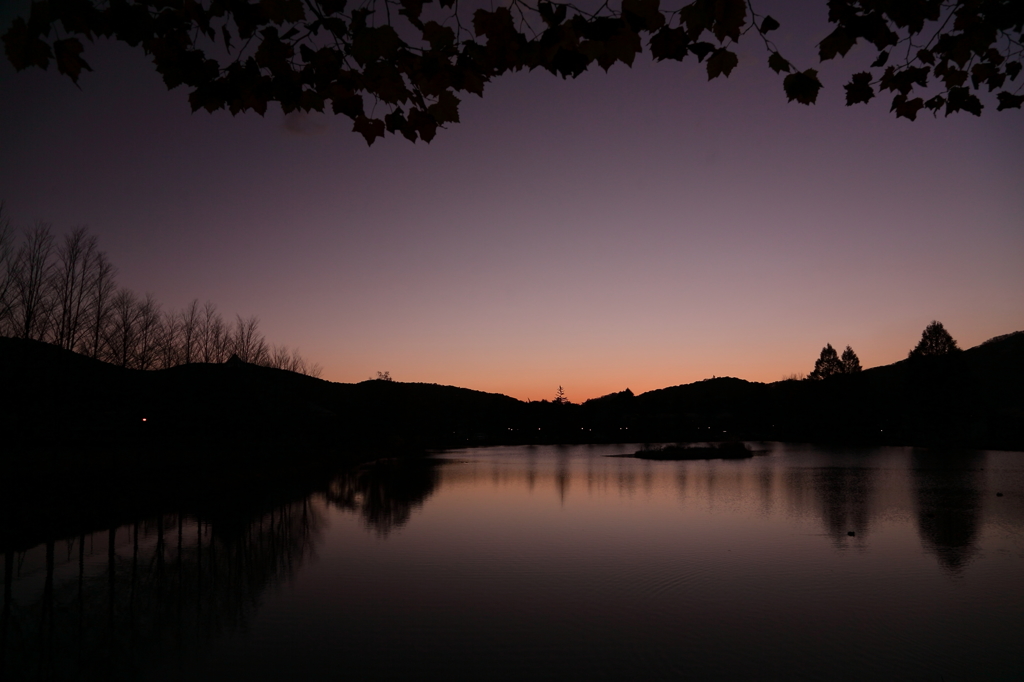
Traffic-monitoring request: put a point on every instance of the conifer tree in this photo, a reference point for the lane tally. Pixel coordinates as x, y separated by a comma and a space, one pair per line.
851, 363
935, 340
828, 364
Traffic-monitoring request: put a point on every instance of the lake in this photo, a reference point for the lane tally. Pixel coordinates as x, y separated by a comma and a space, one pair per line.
554, 562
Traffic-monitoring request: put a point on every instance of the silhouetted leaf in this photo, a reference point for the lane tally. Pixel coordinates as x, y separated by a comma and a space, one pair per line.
332, 6
986, 72
670, 43
906, 108
729, 19
859, 88
551, 15
438, 36
769, 24
423, 123
23, 49
961, 99
1009, 101
498, 27
881, 60
386, 81
68, 60
905, 79
953, 77
281, 11
935, 103
375, 44
446, 109
412, 9
721, 62
623, 45
396, 122
702, 50
802, 86
369, 128
837, 42
777, 63
345, 102
643, 15
1013, 70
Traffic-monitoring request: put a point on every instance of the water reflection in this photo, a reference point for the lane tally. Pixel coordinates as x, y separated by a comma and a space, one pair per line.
845, 497
110, 604
947, 489
845, 490
385, 492
506, 551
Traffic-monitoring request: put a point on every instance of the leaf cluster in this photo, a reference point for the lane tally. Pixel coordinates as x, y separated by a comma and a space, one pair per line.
401, 66
949, 50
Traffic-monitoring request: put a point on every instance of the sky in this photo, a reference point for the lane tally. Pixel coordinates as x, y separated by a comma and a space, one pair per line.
641, 228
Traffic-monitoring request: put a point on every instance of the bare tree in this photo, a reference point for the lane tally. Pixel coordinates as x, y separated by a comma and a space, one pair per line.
69, 286
213, 336
171, 350
122, 331
7, 254
65, 293
247, 342
150, 331
100, 292
32, 267
279, 357
298, 363
188, 331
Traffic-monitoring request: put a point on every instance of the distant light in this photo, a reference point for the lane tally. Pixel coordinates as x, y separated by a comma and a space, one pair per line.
143, 419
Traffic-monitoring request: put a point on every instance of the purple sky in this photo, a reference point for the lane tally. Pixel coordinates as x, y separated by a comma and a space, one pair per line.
643, 228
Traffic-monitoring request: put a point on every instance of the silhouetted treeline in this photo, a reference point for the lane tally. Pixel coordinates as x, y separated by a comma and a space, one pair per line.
63, 291
970, 398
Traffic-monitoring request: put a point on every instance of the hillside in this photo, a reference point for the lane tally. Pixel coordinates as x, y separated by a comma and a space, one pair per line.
974, 399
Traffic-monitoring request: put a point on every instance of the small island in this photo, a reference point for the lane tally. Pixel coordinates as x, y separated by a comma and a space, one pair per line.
685, 451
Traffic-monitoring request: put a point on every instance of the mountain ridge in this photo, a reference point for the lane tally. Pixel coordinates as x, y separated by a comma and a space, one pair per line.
969, 398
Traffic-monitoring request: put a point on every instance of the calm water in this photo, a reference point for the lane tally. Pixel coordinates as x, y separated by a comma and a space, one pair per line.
556, 563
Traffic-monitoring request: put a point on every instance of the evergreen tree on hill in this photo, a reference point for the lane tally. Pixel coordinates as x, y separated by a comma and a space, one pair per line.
935, 340
828, 364
851, 363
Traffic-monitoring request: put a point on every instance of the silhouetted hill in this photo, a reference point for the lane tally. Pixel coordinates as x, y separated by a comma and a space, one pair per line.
973, 398
52, 395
